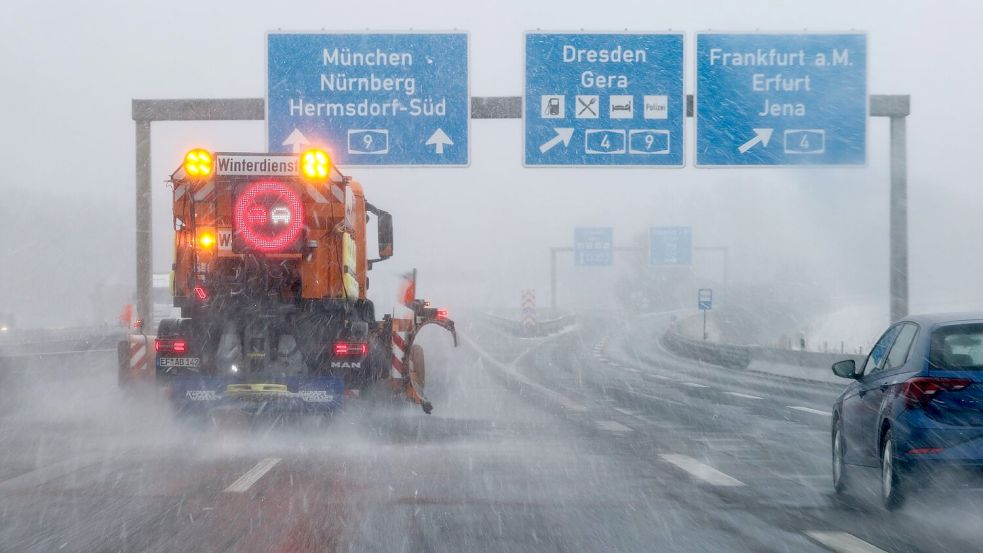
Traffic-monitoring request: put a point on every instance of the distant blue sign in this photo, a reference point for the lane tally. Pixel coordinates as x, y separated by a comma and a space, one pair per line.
670, 246
705, 299
371, 99
781, 99
604, 99
593, 246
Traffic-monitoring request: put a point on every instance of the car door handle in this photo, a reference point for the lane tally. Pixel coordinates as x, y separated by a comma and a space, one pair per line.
884, 387
862, 392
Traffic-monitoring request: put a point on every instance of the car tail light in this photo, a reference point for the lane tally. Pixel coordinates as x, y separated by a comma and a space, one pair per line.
441, 314
924, 450
201, 292
350, 349
921, 390
171, 346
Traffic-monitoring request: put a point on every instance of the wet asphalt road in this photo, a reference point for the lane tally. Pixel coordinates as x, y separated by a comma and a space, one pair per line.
593, 440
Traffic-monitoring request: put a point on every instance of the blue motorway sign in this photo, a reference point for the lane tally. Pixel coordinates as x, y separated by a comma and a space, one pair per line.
781, 99
604, 99
370, 99
670, 246
593, 246
705, 299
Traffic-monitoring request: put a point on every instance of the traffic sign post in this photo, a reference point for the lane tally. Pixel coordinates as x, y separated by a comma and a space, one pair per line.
593, 246
604, 99
705, 303
670, 246
705, 299
370, 99
781, 99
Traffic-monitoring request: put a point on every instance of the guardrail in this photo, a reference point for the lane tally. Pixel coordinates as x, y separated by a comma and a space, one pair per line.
540, 329
809, 365
735, 357
20, 343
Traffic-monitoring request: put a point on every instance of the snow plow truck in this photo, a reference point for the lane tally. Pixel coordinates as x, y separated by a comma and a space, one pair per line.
270, 275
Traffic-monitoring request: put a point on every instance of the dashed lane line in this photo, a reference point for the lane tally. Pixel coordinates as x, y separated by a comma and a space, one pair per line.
252, 475
843, 542
614, 426
745, 396
810, 410
699, 470
694, 385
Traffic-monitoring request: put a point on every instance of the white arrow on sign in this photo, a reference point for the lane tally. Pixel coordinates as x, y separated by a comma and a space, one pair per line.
760, 135
297, 140
439, 139
562, 135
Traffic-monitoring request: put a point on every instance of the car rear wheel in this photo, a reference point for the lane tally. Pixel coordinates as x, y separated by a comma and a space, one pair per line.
839, 466
892, 481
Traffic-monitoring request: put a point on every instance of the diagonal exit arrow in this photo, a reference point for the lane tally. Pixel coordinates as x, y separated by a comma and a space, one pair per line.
562, 135
760, 135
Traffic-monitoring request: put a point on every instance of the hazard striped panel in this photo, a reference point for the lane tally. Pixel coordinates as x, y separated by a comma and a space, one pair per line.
398, 356
136, 358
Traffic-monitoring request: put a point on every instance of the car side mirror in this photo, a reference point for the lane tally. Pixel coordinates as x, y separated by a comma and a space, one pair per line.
845, 369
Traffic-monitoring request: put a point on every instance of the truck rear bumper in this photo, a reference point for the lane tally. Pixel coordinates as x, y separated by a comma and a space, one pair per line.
300, 395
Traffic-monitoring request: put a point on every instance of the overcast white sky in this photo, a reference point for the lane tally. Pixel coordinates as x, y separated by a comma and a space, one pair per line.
69, 71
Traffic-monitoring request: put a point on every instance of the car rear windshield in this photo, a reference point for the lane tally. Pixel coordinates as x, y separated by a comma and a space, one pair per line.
957, 347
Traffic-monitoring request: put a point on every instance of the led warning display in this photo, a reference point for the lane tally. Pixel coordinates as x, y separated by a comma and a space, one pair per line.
269, 218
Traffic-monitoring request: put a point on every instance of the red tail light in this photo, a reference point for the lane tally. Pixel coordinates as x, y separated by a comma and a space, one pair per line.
201, 292
442, 314
350, 349
171, 346
924, 450
921, 390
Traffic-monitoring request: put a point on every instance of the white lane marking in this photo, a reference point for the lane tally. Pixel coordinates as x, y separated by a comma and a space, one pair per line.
43, 475
658, 376
624, 411
694, 385
252, 475
631, 370
509, 371
843, 542
614, 426
706, 473
745, 396
810, 410
656, 398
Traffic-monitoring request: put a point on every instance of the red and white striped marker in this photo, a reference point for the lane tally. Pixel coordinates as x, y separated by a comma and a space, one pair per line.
398, 355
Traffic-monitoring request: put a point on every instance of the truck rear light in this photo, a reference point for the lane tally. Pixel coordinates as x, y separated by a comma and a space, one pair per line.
921, 390
171, 346
350, 349
201, 293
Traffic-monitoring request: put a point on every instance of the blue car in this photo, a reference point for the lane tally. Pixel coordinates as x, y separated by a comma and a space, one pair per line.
914, 408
